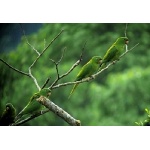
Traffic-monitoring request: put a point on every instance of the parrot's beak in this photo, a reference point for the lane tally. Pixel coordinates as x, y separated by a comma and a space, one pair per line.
49, 93
7, 108
100, 61
127, 41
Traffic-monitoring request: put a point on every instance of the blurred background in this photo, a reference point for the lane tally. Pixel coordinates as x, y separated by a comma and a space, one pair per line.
117, 97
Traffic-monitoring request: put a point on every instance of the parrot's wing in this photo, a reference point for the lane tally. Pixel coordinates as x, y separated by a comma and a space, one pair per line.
110, 54
85, 71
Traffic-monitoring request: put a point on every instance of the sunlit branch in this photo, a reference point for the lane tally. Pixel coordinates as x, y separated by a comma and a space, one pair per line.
34, 79
58, 111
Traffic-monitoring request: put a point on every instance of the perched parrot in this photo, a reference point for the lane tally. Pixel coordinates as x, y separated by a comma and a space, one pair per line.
115, 51
87, 70
33, 106
8, 116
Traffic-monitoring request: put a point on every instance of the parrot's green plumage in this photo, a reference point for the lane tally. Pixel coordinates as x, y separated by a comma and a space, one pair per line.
8, 116
33, 106
87, 70
115, 51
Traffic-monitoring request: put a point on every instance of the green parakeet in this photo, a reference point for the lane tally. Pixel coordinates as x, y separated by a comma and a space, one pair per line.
8, 116
115, 51
87, 70
33, 106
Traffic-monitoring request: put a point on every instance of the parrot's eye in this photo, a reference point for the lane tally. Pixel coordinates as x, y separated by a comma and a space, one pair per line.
126, 41
7, 108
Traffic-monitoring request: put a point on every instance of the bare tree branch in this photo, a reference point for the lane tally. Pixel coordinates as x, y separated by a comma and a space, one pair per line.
71, 83
58, 62
63, 52
56, 65
21, 72
27, 40
34, 79
58, 111
129, 49
46, 49
30, 73
46, 82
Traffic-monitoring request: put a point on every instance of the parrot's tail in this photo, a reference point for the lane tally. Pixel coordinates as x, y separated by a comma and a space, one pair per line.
18, 116
74, 87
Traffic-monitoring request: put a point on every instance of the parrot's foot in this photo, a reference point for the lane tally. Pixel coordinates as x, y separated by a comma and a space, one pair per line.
41, 112
114, 61
92, 77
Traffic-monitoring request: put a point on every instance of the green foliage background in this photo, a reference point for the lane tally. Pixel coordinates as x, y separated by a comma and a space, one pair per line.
117, 97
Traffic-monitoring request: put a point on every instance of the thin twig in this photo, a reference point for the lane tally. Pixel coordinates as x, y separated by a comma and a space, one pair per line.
58, 111
129, 49
83, 50
62, 55
46, 82
21, 72
71, 83
58, 62
94, 75
76, 63
56, 65
27, 40
125, 31
46, 48
44, 43
71, 69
